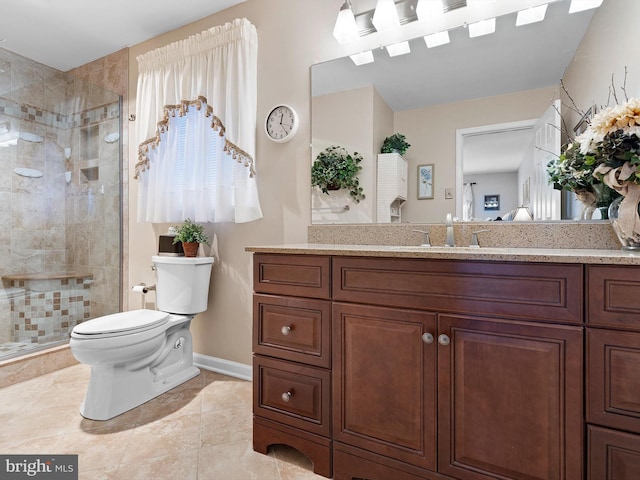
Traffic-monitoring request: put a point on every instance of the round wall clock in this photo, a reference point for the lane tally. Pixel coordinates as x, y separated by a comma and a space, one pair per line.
281, 124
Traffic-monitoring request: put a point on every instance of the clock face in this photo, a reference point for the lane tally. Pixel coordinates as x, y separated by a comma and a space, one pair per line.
281, 124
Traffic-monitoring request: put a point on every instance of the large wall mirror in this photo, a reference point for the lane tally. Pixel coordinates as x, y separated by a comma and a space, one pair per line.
452, 103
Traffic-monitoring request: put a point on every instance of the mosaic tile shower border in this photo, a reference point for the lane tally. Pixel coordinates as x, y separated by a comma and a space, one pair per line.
49, 309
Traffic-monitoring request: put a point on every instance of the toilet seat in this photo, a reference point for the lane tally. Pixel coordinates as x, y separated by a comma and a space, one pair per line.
118, 324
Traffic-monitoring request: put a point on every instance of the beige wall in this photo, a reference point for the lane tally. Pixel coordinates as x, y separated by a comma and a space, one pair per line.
431, 131
357, 120
291, 39
609, 45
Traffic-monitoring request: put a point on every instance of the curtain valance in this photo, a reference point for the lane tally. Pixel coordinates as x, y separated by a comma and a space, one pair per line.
216, 70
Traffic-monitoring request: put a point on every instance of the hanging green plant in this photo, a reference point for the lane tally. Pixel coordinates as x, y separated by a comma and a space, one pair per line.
335, 168
395, 143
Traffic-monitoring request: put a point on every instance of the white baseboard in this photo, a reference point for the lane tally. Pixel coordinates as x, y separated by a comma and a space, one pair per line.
225, 367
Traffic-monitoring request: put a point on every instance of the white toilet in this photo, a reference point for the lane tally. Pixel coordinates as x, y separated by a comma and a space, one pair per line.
138, 355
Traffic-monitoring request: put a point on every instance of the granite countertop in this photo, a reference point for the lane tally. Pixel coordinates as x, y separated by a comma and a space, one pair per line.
549, 255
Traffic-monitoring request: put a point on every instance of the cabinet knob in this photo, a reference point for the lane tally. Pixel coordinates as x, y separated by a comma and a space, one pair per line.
286, 396
427, 338
444, 339
285, 330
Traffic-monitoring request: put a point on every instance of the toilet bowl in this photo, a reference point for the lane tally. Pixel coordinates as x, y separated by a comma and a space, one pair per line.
138, 355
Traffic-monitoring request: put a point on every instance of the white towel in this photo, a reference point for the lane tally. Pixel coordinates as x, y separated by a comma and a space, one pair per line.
467, 202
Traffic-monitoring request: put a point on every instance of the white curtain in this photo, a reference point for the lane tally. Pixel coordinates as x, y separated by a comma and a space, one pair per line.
211, 79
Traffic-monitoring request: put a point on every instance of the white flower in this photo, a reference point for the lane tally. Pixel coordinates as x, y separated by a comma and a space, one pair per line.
618, 117
625, 117
588, 140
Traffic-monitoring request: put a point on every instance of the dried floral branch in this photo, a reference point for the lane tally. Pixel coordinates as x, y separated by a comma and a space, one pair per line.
624, 85
575, 107
612, 90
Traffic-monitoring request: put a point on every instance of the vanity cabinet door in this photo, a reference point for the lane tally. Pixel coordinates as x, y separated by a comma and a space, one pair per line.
613, 379
509, 400
384, 381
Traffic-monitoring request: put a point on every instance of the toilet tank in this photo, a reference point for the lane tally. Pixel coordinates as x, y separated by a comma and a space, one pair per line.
182, 283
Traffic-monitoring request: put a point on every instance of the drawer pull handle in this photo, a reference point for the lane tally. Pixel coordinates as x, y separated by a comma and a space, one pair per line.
444, 339
427, 338
286, 396
286, 330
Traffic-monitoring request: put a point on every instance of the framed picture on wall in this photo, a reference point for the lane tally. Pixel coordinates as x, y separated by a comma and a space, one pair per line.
425, 181
492, 202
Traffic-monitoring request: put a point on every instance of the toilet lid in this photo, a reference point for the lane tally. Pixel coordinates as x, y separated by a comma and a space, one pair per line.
124, 322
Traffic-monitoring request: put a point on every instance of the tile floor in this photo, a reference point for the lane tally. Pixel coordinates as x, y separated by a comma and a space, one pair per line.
200, 430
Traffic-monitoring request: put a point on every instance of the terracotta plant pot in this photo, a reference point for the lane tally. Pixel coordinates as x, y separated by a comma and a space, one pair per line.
190, 249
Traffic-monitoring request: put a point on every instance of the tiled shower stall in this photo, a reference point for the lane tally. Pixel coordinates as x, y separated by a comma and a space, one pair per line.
60, 191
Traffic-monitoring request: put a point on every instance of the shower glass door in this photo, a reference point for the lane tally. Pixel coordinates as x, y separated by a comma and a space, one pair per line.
60, 191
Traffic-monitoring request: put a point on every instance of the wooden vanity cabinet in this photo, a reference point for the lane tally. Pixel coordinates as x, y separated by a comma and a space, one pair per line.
440, 369
292, 356
613, 372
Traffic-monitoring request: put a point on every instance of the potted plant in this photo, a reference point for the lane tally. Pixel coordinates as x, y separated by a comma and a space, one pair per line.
191, 235
335, 168
395, 143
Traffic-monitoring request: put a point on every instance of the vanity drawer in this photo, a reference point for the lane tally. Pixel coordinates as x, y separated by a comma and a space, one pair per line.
613, 455
298, 275
613, 379
293, 394
535, 291
294, 329
614, 296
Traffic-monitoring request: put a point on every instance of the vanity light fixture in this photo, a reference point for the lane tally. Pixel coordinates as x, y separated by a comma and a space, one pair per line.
531, 15
346, 29
362, 58
385, 16
483, 27
437, 39
580, 5
428, 10
400, 48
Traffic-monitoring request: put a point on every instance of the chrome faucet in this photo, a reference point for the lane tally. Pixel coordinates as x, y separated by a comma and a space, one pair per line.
449, 242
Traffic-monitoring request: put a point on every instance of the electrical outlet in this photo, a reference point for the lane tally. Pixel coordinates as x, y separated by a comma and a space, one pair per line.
448, 193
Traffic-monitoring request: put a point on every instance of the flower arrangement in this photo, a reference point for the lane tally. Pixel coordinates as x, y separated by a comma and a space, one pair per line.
609, 148
613, 139
600, 162
574, 171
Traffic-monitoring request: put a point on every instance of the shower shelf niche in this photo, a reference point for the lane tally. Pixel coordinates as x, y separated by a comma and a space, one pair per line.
89, 174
